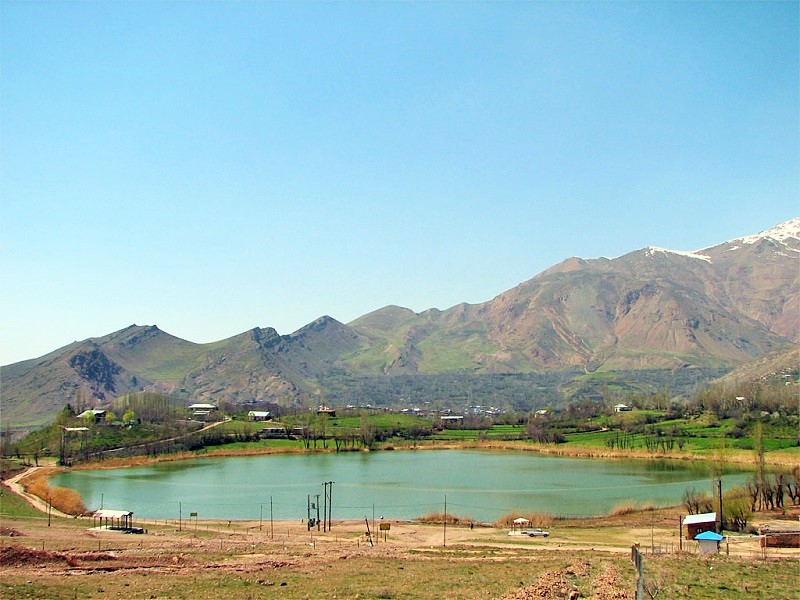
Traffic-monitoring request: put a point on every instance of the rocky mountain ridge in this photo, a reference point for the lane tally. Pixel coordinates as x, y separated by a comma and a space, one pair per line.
653, 308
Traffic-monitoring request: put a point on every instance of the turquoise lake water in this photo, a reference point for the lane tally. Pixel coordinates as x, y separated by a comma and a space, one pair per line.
481, 485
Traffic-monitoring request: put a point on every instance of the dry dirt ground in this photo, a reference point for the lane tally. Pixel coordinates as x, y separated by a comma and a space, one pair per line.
62, 557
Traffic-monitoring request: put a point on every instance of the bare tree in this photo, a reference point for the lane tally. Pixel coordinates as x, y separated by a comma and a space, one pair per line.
368, 432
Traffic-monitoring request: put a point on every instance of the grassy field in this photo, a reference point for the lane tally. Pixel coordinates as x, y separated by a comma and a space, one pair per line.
702, 434
589, 558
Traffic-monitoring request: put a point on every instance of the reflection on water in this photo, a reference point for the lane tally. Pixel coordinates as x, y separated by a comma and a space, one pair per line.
478, 484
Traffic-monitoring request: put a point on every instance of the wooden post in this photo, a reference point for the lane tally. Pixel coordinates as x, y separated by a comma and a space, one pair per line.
369, 534
444, 539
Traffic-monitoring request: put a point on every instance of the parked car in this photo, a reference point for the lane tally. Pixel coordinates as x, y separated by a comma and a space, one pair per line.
536, 533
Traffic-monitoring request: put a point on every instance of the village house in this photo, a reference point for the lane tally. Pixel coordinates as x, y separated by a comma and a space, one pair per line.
326, 410
259, 415
622, 408
94, 414
779, 534
697, 524
201, 411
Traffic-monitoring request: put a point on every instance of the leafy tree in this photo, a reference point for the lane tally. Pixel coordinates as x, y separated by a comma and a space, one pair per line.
736, 508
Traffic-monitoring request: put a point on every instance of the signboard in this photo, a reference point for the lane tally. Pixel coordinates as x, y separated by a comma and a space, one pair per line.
192, 515
385, 526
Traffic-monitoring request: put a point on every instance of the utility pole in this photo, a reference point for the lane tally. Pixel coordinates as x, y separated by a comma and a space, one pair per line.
317, 512
325, 506
444, 541
271, 530
180, 516
260, 516
719, 487
330, 503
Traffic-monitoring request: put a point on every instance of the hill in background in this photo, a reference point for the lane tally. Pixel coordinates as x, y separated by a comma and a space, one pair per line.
674, 318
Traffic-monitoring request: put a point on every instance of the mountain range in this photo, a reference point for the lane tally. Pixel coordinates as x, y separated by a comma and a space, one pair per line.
717, 307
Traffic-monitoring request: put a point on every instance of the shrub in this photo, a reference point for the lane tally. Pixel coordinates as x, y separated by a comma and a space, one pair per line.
64, 499
736, 433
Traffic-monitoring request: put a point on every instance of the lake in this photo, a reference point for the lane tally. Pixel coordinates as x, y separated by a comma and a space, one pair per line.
482, 485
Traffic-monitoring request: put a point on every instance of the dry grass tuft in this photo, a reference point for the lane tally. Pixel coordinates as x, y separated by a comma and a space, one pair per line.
64, 499
439, 518
628, 508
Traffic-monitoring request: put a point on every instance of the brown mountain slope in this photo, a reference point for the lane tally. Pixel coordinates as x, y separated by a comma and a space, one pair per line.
653, 308
258, 365
648, 309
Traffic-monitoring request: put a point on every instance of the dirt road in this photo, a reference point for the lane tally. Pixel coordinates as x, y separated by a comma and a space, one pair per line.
14, 483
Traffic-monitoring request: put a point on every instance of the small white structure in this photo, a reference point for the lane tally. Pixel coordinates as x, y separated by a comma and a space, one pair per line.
259, 415
95, 414
622, 408
709, 542
520, 522
114, 519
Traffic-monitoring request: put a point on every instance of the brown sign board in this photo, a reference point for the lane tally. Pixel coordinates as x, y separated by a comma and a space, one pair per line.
385, 526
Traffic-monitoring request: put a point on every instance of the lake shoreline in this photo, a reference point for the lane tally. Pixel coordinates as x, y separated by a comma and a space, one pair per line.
775, 459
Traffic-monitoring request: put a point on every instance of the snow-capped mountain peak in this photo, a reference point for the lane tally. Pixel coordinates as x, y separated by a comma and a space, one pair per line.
651, 250
779, 233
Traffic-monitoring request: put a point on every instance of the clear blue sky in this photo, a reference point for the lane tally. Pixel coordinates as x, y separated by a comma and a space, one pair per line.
210, 167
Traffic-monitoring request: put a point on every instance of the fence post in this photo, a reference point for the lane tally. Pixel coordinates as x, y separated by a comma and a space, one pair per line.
636, 558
